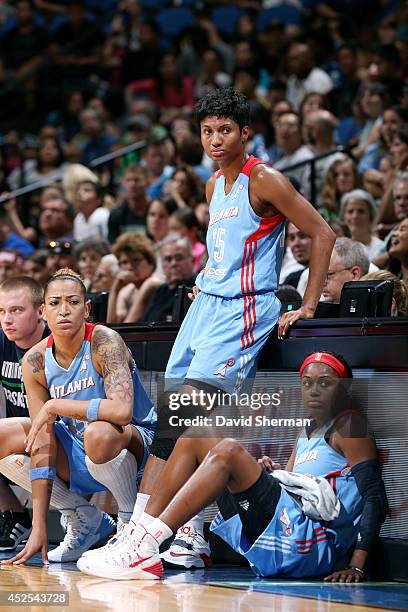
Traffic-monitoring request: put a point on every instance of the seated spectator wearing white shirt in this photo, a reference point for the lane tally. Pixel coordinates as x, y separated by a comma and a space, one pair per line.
288, 138
300, 245
304, 76
91, 220
358, 211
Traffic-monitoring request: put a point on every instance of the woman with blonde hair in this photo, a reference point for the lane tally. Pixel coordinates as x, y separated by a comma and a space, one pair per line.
341, 177
399, 307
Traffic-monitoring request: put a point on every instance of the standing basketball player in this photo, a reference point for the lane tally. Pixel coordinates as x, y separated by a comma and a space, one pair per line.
22, 326
85, 375
259, 517
235, 307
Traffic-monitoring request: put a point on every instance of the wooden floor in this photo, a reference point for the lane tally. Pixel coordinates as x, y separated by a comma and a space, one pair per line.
89, 594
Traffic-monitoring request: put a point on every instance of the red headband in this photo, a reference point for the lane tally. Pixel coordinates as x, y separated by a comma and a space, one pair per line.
327, 359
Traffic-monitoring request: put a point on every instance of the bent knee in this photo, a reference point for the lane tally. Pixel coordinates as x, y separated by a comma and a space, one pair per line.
98, 442
226, 451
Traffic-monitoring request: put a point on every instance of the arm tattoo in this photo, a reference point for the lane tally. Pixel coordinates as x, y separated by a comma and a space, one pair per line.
112, 355
36, 360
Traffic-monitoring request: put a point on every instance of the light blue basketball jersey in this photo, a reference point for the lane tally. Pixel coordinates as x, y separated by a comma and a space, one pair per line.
82, 382
245, 250
294, 545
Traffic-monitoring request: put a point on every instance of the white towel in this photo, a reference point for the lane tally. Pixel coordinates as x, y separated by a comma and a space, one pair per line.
317, 498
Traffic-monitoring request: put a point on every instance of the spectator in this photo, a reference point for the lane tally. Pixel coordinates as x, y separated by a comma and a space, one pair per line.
105, 274
398, 251
178, 266
10, 240
67, 118
130, 215
184, 187
304, 76
374, 98
60, 254
341, 177
358, 211
157, 219
189, 152
202, 212
56, 221
73, 175
10, 264
154, 159
211, 75
137, 262
399, 306
400, 212
319, 126
91, 220
185, 222
49, 160
88, 255
300, 246
98, 141
289, 140
35, 266
137, 50
393, 118
349, 262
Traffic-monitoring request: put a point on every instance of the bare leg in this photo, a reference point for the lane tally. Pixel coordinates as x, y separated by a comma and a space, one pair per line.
104, 441
227, 465
153, 469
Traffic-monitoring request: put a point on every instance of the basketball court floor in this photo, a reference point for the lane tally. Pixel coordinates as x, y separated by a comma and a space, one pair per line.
229, 588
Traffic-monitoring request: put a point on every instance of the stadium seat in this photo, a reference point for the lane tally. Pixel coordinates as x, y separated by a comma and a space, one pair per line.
289, 15
225, 18
174, 20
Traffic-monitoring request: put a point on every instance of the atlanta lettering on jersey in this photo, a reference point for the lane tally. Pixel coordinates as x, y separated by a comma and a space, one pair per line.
307, 456
11, 369
224, 213
59, 391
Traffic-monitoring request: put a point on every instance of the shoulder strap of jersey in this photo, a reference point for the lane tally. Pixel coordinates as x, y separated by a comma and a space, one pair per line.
89, 327
249, 164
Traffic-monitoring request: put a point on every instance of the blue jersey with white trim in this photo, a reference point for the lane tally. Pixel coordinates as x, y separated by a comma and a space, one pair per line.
81, 381
244, 250
293, 544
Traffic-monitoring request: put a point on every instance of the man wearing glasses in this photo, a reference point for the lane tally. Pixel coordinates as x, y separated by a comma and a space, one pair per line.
348, 262
178, 267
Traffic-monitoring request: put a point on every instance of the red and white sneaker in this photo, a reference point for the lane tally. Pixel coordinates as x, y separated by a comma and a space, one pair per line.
188, 550
123, 563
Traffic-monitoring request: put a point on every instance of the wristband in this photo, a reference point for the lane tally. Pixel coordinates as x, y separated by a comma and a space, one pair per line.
356, 569
49, 472
93, 409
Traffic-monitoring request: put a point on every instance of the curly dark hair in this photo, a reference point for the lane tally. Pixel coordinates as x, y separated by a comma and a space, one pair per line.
224, 103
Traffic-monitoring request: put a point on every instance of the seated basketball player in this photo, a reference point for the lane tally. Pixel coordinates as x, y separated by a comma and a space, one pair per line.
91, 424
258, 516
235, 308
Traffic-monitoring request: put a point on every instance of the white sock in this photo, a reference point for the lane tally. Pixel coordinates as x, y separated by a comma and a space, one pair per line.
196, 523
119, 476
140, 505
140, 529
17, 469
157, 533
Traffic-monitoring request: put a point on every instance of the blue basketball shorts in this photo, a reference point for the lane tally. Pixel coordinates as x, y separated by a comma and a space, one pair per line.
220, 340
81, 480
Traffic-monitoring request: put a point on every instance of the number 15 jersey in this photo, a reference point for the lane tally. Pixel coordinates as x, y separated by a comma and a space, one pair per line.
245, 250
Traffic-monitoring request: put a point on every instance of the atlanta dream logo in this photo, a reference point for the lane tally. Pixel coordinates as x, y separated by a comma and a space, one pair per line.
222, 370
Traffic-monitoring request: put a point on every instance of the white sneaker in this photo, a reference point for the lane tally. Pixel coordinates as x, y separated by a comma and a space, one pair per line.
121, 533
123, 563
86, 526
188, 549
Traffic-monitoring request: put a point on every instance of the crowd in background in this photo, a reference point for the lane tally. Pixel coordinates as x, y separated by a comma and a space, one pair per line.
81, 79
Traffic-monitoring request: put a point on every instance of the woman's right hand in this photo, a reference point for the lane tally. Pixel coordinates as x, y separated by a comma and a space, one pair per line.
269, 465
123, 278
37, 542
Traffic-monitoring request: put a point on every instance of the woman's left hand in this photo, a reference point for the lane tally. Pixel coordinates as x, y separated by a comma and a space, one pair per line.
347, 575
289, 318
44, 416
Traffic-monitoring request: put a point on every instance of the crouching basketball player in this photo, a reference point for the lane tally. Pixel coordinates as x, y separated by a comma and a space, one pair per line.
91, 425
258, 516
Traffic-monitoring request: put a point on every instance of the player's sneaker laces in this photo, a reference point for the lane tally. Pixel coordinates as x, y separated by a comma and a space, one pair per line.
122, 530
188, 549
86, 525
14, 528
123, 563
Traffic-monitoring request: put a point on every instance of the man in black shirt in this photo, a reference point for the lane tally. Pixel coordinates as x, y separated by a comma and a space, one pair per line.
130, 216
22, 326
178, 266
